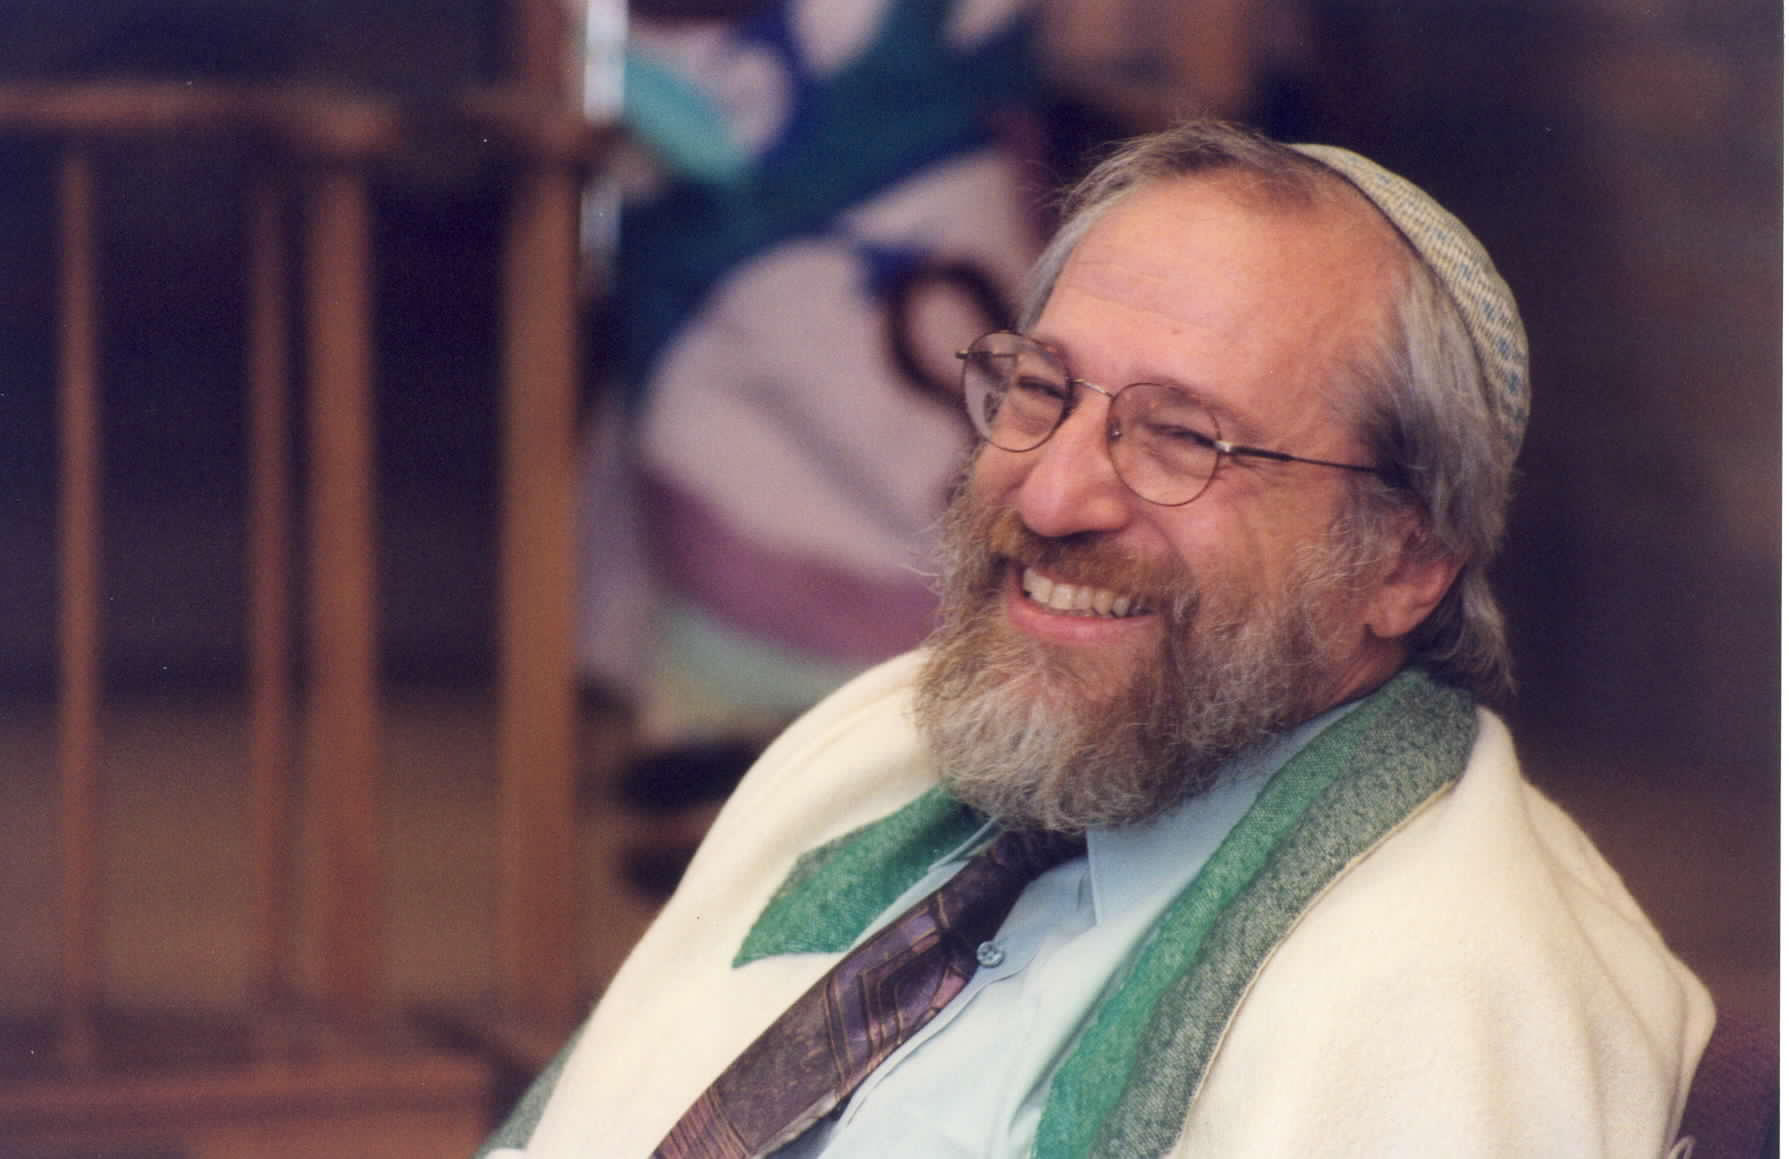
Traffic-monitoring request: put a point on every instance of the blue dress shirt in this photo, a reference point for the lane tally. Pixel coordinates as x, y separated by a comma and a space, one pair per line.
972, 1083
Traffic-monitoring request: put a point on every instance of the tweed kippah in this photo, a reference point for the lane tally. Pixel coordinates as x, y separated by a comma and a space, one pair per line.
1465, 269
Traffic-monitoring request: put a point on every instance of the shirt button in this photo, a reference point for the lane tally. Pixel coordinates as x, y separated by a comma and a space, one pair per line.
988, 954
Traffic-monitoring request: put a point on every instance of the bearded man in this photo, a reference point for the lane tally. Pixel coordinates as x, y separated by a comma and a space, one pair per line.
1184, 835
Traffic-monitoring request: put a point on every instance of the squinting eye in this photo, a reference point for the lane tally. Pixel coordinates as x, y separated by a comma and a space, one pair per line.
1041, 388
1181, 435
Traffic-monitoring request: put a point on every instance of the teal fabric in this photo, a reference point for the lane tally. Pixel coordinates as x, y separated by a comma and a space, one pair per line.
1125, 1089
679, 121
836, 890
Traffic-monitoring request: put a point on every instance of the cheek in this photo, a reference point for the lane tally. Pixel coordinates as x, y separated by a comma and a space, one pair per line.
1206, 544
1237, 577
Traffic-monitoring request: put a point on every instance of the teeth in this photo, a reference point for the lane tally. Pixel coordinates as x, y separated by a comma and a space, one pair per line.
1079, 599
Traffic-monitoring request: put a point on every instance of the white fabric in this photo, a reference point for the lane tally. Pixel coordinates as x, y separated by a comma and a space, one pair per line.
1478, 985
1071, 931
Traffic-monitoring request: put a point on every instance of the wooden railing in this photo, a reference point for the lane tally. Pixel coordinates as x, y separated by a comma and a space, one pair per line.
319, 151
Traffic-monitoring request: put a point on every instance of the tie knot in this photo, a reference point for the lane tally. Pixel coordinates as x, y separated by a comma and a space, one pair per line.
1026, 853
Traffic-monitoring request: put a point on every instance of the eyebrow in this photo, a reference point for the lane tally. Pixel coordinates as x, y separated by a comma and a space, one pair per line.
1235, 426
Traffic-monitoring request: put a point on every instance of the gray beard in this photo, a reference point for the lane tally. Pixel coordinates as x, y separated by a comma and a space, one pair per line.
1021, 734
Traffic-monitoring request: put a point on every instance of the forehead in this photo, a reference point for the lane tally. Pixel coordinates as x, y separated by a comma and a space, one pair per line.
1206, 280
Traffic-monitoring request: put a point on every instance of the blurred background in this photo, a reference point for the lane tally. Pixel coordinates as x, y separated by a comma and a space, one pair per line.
797, 198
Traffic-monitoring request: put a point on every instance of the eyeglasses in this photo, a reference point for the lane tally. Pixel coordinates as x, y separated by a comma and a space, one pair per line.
1165, 445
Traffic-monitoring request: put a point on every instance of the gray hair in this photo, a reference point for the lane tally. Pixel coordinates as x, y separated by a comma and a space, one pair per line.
1418, 387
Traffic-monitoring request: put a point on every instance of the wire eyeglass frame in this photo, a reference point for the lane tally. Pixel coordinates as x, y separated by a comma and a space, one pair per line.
1179, 449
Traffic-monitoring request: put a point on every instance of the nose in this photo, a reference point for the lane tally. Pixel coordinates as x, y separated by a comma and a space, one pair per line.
1069, 484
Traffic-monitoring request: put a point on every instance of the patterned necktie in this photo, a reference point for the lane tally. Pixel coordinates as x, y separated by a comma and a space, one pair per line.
813, 1056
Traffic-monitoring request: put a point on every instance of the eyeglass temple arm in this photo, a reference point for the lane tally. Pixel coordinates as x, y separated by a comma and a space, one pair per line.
1390, 475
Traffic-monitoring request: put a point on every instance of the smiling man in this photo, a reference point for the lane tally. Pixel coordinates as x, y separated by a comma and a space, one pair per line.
1184, 835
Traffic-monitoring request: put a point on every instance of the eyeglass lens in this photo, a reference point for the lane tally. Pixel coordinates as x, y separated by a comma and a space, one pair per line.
1162, 441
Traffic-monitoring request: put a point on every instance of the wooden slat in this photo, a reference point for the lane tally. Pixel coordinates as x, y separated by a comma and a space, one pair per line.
346, 124
343, 694
537, 919
381, 1098
543, 33
342, 1083
516, 119
270, 756
79, 533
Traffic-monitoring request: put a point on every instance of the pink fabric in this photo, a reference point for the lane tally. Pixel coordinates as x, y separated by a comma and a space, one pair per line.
796, 601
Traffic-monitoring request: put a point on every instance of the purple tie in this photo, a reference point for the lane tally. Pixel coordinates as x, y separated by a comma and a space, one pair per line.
816, 1053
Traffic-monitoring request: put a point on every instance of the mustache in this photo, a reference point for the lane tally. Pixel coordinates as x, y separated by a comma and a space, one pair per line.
1162, 581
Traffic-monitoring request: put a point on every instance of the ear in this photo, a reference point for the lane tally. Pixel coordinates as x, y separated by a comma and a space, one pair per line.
1415, 581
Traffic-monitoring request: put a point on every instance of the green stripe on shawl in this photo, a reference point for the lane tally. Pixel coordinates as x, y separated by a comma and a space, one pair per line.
837, 889
1125, 1089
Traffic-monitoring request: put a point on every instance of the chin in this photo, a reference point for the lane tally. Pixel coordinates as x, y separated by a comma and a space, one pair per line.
1079, 680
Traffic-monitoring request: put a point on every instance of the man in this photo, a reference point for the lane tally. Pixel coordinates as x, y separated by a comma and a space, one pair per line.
1216, 599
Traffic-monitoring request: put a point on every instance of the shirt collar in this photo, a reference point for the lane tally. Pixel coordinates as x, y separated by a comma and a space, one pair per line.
1149, 864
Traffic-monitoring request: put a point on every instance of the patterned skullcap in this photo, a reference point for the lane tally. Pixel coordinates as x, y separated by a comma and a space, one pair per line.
1465, 269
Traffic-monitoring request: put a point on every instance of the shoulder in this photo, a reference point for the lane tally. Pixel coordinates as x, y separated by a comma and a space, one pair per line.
1479, 983
853, 758
678, 1010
